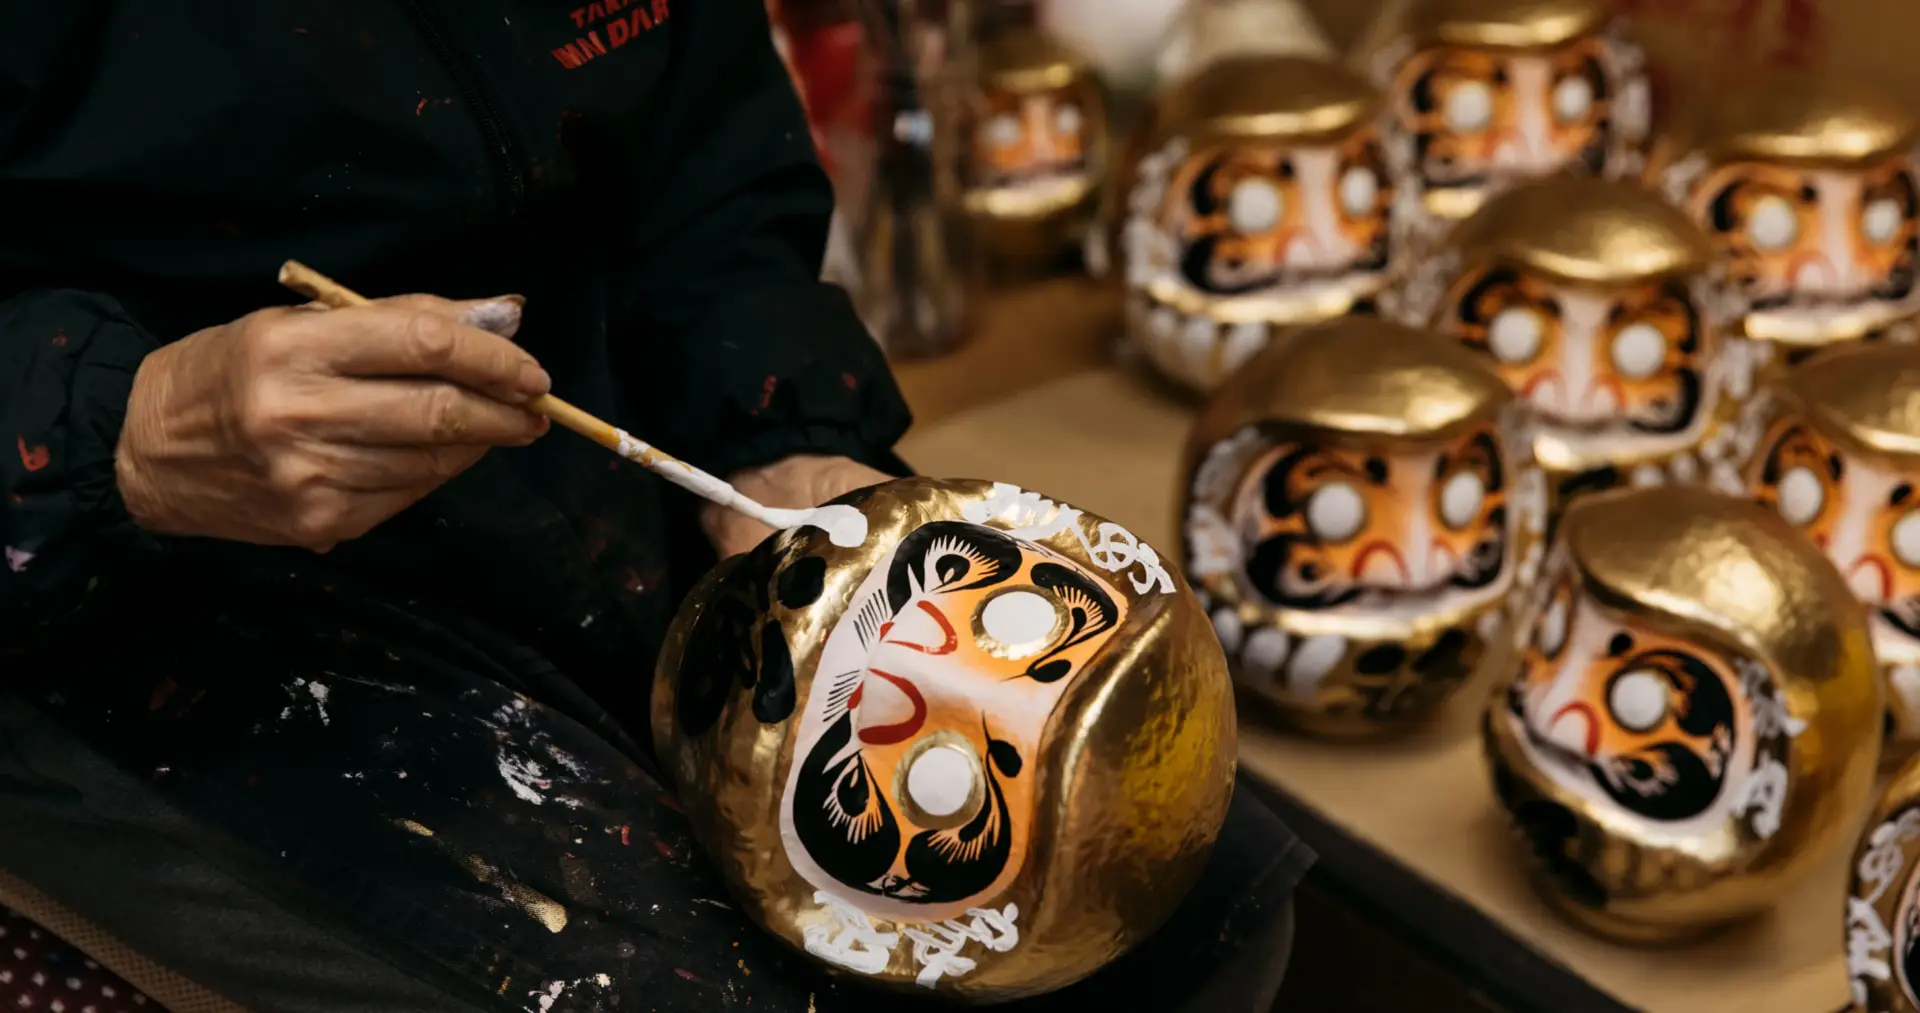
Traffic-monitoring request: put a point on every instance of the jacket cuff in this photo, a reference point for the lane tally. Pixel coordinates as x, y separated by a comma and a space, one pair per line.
69, 360
791, 371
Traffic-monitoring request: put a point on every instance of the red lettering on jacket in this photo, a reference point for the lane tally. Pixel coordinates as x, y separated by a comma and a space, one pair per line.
621, 28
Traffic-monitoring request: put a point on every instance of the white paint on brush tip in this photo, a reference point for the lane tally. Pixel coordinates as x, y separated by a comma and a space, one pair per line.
845, 526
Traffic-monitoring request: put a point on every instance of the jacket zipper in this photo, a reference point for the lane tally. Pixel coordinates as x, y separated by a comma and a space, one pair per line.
503, 150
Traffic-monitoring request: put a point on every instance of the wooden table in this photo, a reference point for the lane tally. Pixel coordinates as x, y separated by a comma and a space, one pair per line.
1419, 880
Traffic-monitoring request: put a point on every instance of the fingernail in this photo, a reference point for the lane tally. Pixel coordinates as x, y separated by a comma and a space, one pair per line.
500, 316
533, 380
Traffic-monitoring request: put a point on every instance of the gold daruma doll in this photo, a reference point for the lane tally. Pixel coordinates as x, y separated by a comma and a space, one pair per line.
1883, 902
1602, 306
983, 753
1839, 458
1485, 93
1262, 197
1694, 718
1807, 185
1361, 505
1035, 151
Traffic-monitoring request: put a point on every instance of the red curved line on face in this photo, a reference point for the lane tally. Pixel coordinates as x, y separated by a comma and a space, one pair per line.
1612, 386
887, 735
1381, 547
1883, 573
951, 644
1540, 379
1593, 724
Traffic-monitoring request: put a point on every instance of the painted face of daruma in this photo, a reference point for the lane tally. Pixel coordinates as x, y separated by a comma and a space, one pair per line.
1324, 527
1862, 513
1480, 116
912, 791
1588, 357
1029, 138
1252, 218
1652, 719
1814, 238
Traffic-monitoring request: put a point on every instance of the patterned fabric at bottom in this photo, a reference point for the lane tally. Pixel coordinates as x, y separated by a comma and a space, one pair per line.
40, 973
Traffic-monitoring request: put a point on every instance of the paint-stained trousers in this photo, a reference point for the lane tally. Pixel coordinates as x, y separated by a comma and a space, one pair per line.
309, 811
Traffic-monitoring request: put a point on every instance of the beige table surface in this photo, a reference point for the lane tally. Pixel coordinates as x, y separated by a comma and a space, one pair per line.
1108, 441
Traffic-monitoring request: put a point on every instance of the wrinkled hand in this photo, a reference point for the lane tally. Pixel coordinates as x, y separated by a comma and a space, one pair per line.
307, 427
803, 480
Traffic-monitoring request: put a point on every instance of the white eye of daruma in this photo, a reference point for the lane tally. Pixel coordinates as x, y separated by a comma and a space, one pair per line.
1637, 699
1460, 499
1515, 334
941, 780
1336, 512
1801, 496
1469, 107
1067, 120
1904, 539
1002, 131
1638, 350
1020, 622
1881, 221
1572, 99
1359, 191
1552, 634
1772, 225
1254, 206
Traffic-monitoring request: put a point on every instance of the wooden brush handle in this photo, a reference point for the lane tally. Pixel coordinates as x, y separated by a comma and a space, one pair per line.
327, 292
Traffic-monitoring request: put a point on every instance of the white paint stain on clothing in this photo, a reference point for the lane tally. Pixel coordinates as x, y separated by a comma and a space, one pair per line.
525, 777
320, 701
554, 990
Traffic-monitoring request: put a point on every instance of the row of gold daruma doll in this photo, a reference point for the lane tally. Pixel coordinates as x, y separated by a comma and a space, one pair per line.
1724, 306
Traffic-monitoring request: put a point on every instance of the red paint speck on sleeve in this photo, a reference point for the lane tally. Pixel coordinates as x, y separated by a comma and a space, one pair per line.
35, 457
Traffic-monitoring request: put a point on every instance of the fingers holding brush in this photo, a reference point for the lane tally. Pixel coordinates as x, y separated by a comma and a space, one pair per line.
300, 426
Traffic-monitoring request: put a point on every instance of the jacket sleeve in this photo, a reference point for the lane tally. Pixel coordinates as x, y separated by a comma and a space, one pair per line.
67, 361
742, 355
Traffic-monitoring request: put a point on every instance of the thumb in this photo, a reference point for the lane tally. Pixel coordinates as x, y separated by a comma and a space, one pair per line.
499, 315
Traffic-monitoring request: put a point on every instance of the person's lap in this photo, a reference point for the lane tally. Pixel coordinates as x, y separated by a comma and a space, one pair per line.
305, 811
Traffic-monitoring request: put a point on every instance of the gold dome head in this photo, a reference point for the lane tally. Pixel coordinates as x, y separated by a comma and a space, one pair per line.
1360, 504
1807, 120
1292, 99
1359, 377
1865, 393
1507, 24
1025, 59
977, 667
1696, 635
1584, 231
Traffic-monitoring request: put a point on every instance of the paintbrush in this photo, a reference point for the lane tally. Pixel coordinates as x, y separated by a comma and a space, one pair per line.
844, 525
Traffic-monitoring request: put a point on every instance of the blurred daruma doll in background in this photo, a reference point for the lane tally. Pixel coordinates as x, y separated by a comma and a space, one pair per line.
1262, 197
1361, 508
1694, 717
1807, 185
1485, 93
1035, 149
1840, 460
1602, 306
983, 753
